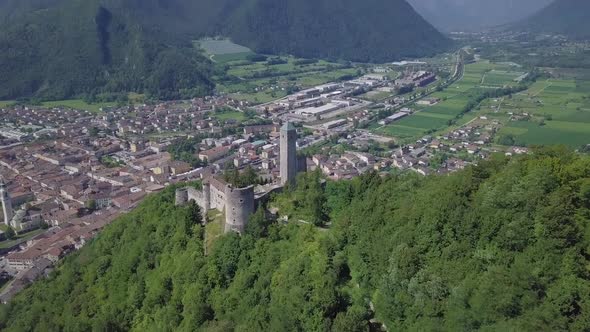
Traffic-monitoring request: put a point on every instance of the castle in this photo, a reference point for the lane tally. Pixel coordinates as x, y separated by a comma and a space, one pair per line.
239, 203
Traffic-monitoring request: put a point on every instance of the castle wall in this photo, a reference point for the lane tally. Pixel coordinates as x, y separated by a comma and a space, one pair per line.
239, 206
201, 197
217, 199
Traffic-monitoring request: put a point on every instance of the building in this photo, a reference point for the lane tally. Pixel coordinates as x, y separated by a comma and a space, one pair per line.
8, 212
288, 160
393, 118
237, 203
214, 154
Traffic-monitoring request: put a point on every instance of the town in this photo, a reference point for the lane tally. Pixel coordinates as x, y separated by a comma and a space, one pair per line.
66, 173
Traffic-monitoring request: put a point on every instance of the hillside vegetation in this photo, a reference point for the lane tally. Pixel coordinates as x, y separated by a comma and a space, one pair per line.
567, 17
503, 246
99, 49
461, 15
81, 48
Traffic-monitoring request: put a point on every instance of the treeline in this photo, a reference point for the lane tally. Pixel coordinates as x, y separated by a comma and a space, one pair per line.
502, 246
186, 149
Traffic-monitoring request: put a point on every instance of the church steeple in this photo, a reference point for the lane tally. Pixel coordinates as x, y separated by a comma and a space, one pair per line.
7, 210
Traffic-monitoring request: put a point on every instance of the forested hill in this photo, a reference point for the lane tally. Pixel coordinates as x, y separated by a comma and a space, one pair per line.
79, 47
567, 17
367, 31
62, 48
504, 246
461, 15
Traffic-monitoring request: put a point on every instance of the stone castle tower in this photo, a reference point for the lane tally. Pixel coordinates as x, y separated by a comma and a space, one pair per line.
239, 205
7, 210
288, 162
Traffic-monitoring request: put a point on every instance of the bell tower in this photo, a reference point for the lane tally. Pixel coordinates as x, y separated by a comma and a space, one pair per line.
6, 202
288, 161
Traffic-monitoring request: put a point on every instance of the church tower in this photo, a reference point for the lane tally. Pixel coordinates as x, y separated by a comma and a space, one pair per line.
6, 202
288, 153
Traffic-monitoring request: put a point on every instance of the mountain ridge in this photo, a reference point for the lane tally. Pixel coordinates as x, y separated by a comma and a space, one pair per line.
115, 46
566, 17
452, 15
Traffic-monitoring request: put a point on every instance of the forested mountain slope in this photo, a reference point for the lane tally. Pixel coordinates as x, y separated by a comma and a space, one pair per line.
370, 30
80, 47
567, 17
62, 48
503, 246
462, 15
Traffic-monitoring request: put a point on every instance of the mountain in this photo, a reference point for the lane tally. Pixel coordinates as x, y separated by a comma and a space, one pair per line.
567, 17
77, 47
335, 29
468, 15
501, 246
63, 48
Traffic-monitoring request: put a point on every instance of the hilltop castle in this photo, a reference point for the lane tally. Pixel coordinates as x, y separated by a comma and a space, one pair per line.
239, 203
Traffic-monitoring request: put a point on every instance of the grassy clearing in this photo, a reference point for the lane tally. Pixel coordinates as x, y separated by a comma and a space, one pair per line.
136, 98
376, 95
235, 115
213, 229
225, 58
78, 104
5, 103
259, 97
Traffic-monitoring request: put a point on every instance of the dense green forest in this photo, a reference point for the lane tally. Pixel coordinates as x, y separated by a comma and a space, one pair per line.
102, 49
80, 48
503, 246
367, 31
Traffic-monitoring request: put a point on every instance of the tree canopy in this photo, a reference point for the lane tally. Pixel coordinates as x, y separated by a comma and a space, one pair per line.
502, 246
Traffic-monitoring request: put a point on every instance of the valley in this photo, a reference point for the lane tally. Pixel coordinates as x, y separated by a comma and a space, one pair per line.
281, 165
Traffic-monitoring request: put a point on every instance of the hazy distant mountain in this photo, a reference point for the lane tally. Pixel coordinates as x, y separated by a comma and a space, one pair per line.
568, 17
62, 48
452, 15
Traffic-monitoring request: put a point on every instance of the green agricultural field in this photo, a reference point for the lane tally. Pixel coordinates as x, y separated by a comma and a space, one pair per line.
78, 104
400, 132
261, 82
564, 107
317, 78
500, 78
221, 46
478, 77
4, 103
553, 132
423, 121
259, 97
